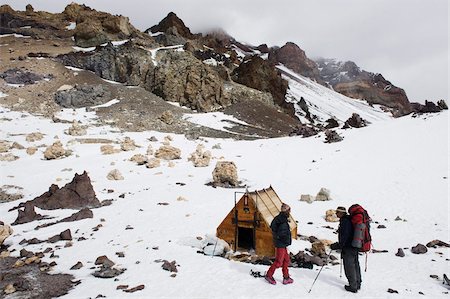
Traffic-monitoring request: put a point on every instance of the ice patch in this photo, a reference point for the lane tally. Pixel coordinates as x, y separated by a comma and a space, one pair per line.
73, 68
110, 103
15, 35
215, 120
2, 95
80, 49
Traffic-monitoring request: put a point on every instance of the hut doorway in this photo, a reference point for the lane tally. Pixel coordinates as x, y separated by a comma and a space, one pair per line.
245, 238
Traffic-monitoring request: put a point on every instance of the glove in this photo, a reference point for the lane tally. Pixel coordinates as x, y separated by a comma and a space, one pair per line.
335, 246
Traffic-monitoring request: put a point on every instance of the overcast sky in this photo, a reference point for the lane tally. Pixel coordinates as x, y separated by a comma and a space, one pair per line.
405, 40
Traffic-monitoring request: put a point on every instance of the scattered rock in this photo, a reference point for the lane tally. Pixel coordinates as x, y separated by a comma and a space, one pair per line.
225, 174
104, 261
108, 149
398, 218
19, 76
114, 175
355, 121
128, 144
153, 163
381, 226
330, 216
332, 136
419, 249
437, 243
17, 145
200, 158
8, 157
55, 151
76, 129
139, 159
63, 236
392, 291
122, 287
400, 253
167, 117
137, 288
32, 137
106, 272
5, 232
307, 197
31, 150
168, 152
170, 266
323, 195
9, 289
434, 276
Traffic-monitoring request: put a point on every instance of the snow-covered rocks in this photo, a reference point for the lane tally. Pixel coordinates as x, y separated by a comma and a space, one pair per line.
153, 163
139, 159
322, 195
115, 175
225, 174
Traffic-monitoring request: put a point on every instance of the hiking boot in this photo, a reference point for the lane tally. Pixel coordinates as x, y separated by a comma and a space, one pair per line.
270, 279
350, 289
287, 280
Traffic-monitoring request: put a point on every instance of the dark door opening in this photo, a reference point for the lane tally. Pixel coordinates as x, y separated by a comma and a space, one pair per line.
245, 238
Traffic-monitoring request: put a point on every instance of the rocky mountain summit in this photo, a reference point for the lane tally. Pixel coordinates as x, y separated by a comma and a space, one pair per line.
167, 62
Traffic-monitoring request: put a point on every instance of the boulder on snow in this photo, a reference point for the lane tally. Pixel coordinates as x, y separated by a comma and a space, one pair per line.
27, 215
139, 159
32, 137
308, 198
128, 144
330, 216
5, 232
419, 249
114, 175
225, 174
76, 129
153, 163
168, 152
332, 136
55, 151
108, 149
77, 194
400, 253
31, 150
355, 121
200, 158
323, 195
437, 243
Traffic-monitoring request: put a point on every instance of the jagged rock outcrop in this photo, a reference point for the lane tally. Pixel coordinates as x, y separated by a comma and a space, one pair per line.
176, 32
259, 74
77, 194
348, 79
95, 28
429, 107
294, 58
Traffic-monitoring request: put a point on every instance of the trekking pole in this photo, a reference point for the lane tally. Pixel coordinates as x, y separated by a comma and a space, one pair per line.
340, 271
214, 250
326, 261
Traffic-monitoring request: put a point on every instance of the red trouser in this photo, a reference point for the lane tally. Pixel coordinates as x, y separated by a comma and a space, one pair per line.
281, 260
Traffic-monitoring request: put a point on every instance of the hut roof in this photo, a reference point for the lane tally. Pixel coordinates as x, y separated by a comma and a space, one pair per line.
268, 203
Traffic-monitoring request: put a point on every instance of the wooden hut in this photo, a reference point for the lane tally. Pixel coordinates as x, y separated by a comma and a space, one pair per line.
247, 225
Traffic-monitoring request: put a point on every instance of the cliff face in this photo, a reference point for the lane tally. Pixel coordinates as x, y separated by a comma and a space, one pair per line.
294, 58
348, 79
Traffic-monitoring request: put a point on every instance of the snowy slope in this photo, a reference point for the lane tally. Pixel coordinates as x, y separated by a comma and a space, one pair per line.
326, 103
393, 168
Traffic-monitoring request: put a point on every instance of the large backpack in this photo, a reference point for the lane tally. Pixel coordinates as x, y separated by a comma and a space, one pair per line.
361, 226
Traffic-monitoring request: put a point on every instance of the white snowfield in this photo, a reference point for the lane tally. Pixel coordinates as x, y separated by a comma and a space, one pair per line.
396, 167
326, 103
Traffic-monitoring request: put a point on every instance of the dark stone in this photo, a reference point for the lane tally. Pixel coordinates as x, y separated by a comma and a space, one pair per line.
27, 215
107, 272
19, 76
332, 136
137, 288
381, 226
82, 96
25, 253
419, 249
304, 131
170, 266
77, 194
331, 123
392, 291
313, 239
104, 261
355, 121
400, 253
437, 243
77, 266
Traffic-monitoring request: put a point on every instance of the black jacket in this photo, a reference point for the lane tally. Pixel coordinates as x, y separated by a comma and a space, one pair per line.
345, 232
281, 231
